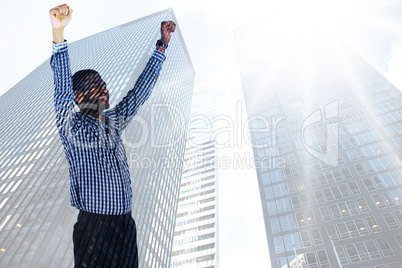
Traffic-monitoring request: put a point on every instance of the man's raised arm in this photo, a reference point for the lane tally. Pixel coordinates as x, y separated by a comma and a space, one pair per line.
128, 107
64, 96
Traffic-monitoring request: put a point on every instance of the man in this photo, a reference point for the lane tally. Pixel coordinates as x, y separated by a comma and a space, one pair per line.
100, 184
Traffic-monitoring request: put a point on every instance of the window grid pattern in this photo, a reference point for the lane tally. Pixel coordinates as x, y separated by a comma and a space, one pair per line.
196, 231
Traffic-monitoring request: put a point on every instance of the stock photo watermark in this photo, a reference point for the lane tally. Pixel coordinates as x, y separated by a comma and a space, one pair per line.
237, 162
233, 132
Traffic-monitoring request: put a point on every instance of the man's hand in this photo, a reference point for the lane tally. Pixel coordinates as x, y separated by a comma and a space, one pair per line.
167, 28
60, 16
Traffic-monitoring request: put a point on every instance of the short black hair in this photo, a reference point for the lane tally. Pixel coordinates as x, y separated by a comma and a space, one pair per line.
80, 77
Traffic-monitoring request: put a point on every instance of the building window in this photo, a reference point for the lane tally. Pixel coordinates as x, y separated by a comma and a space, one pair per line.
378, 200
393, 197
372, 249
335, 212
353, 187
305, 200
351, 208
313, 181
311, 259
271, 208
384, 247
342, 255
265, 179
352, 253
315, 234
305, 238
282, 262
310, 217
285, 204
300, 220
278, 245
332, 233
346, 173
268, 193
295, 202
398, 215
343, 230
394, 265
277, 175
373, 225
275, 227
352, 155
361, 227
399, 239
287, 223
294, 241
369, 184
323, 258
390, 220
325, 215
359, 168
343, 191
361, 202
328, 194
319, 197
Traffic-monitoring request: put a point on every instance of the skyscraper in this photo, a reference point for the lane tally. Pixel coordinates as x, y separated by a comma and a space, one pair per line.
326, 132
196, 232
36, 220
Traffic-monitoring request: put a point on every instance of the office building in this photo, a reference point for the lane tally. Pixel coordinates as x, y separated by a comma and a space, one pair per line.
196, 232
36, 219
326, 132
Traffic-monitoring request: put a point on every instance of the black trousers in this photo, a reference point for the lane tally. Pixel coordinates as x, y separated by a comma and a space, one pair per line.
105, 240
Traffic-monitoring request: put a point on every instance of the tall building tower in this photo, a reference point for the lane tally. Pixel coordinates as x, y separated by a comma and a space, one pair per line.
196, 233
36, 220
326, 132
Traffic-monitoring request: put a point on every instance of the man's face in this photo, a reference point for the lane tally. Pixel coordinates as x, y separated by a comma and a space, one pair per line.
96, 97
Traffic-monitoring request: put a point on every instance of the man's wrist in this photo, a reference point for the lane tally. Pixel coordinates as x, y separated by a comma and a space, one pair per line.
161, 49
58, 36
161, 46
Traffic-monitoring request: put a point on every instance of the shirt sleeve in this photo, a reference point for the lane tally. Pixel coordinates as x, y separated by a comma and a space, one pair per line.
127, 108
63, 91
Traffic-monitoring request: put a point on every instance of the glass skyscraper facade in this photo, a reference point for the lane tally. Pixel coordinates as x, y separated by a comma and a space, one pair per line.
326, 132
196, 232
36, 219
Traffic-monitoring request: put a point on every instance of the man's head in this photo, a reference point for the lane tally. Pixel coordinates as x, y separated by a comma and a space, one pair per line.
90, 91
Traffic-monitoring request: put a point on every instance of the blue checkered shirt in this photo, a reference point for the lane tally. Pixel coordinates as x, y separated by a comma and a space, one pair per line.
99, 174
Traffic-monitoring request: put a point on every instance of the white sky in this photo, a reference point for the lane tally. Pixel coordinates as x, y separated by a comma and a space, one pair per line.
372, 27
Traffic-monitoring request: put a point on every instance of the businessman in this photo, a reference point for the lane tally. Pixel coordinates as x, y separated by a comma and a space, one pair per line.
100, 185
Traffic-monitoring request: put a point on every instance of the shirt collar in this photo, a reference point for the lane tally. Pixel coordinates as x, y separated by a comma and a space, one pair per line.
89, 119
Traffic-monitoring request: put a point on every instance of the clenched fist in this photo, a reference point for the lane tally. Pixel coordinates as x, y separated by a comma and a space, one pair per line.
167, 28
60, 16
